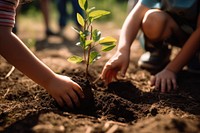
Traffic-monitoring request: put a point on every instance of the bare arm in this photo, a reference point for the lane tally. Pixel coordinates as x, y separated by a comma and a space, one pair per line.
188, 50
131, 26
62, 88
15, 52
120, 60
166, 79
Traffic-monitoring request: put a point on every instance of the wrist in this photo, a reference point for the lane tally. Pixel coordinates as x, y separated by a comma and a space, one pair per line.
49, 81
171, 70
124, 49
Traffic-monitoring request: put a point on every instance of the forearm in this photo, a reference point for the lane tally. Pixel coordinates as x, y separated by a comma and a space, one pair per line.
15, 52
131, 27
186, 53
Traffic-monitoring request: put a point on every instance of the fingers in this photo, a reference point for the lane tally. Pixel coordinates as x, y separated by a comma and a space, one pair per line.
60, 102
78, 90
153, 80
169, 85
67, 100
157, 83
174, 84
108, 77
105, 71
123, 70
108, 74
164, 85
73, 99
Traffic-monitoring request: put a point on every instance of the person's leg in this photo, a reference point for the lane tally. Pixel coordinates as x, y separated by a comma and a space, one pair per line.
76, 9
45, 11
61, 5
159, 27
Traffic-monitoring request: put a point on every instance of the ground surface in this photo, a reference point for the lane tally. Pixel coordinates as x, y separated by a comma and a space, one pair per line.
129, 105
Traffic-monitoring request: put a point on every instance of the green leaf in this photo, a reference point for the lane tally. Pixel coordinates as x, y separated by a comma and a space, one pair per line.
106, 48
75, 59
88, 42
107, 39
94, 56
96, 35
98, 13
89, 10
90, 19
82, 39
80, 20
83, 4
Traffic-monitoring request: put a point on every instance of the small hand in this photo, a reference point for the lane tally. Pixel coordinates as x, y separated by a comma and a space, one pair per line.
65, 91
119, 62
164, 81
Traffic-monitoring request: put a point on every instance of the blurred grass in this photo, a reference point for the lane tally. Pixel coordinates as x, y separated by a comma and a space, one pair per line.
118, 9
30, 17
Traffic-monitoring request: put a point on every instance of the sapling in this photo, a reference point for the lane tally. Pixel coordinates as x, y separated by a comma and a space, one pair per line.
89, 37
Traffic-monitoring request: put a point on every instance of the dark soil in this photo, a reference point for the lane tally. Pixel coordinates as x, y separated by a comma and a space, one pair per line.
124, 106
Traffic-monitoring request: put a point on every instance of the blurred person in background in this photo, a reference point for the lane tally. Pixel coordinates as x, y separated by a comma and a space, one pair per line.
45, 11
44, 6
64, 14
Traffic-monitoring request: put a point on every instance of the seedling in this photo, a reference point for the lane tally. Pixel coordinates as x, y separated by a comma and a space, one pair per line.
89, 37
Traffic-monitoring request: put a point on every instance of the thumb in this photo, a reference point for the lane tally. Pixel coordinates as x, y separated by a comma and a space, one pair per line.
153, 80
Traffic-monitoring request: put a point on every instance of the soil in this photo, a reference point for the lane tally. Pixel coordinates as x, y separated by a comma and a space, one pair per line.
125, 106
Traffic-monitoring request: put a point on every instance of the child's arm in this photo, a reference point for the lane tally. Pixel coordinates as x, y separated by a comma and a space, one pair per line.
62, 88
130, 28
165, 78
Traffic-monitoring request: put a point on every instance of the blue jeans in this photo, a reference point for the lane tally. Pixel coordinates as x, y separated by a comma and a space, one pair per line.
64, 15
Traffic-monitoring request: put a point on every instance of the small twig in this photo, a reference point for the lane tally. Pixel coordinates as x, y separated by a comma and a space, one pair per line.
94, 82
6, 93
117, 123
10, 72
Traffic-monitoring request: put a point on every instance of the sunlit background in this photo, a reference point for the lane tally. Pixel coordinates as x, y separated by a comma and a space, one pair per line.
30, 22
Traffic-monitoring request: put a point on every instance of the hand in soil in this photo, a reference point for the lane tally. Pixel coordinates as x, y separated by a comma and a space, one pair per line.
165, 81
65, 91
119, 62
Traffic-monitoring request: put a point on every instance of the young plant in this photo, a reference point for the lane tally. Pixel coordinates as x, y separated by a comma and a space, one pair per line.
89, 37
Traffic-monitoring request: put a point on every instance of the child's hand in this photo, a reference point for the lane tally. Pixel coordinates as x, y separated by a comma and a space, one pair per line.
164, 81
119, 62
65, 91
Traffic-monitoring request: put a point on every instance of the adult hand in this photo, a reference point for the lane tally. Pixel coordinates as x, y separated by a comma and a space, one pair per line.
164, 81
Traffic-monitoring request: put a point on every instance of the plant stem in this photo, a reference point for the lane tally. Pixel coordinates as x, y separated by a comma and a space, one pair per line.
84, 51
88, 61
89, 50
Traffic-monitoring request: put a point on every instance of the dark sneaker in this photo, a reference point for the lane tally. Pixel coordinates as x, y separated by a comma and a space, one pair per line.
50, 33
155, 59
194, 64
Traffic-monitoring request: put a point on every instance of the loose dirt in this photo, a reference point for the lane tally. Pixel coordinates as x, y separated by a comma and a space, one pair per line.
124, 106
